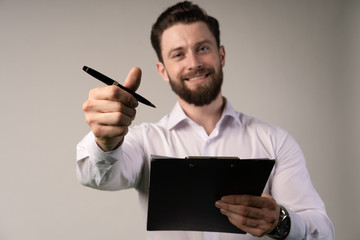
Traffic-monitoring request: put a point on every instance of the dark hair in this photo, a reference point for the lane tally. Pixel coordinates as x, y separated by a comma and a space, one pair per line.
182, 12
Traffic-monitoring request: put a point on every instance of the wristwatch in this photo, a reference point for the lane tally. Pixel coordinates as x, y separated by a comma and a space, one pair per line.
283, 228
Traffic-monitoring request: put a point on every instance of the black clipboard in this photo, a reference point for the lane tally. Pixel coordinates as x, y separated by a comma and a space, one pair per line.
183, 192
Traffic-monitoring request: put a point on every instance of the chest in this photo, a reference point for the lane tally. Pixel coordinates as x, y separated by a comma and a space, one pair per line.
230, 141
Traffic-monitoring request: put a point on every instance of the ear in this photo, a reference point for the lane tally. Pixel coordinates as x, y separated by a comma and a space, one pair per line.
162, 71
222, 55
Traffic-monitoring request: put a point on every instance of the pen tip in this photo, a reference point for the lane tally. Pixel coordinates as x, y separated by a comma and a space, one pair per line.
85, 68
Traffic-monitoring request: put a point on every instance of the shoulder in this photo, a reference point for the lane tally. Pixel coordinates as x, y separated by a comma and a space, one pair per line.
265, 131
148, 128
249, 122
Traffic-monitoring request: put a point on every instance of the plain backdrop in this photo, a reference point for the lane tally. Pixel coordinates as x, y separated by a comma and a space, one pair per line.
294, 64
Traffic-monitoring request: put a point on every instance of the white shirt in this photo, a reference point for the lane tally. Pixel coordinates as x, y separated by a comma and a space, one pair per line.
235, 134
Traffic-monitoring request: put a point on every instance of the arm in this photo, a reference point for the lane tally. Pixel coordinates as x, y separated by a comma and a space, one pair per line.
290, 187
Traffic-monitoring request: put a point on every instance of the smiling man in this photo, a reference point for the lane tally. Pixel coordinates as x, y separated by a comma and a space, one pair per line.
192, 63
203, 122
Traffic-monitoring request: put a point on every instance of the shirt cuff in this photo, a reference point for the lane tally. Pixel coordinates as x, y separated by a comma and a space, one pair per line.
298, 228
97, 154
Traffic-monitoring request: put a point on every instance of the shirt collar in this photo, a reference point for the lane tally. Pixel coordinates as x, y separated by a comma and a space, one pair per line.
229, 111
177, 115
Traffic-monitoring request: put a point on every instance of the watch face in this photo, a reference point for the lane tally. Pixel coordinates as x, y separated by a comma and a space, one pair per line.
284, 227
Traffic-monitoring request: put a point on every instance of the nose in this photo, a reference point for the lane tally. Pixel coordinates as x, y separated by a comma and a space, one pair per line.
194, 62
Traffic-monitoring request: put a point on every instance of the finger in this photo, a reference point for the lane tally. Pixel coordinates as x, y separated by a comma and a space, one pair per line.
103, 93
109, 119
241, 210
113, 93
112, 106
247, 200
241, 221
265, 195
256, 227
105, 106
133, 79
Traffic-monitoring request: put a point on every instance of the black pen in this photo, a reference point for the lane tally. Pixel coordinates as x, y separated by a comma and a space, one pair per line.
109, 81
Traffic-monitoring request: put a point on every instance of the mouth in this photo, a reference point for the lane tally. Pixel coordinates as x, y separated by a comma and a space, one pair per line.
196, 77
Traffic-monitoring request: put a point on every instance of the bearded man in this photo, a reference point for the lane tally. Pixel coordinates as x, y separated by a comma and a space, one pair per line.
114, 156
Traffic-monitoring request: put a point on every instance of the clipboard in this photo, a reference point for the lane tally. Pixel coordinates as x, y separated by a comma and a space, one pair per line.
183, 191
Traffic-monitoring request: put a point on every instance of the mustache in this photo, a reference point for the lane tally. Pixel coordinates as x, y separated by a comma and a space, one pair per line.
203, 71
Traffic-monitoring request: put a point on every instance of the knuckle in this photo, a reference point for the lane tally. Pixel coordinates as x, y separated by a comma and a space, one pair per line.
88, 119
113, 91
126, 111
244, 210
242, 221
117, 116
110, 92
92, 92
87, 105
97, 131
271, 203
120, 107
259, 233
247, 199
125, 131
122, 120
271, 218
129, 100
122, 131
133, 114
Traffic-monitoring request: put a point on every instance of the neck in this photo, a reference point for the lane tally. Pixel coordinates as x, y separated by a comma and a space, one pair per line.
206, 116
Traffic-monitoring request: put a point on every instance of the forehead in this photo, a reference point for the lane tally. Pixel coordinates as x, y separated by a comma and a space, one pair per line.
186, 35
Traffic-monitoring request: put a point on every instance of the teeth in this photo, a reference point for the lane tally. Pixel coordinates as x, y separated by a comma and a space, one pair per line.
197, 78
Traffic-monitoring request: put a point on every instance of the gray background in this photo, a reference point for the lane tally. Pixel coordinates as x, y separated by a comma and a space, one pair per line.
291, 63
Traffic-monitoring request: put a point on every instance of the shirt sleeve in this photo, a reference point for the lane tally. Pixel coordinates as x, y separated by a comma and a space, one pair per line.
306, 209
114, 170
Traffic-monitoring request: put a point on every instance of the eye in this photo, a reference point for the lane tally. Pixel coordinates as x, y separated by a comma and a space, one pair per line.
203, 49
177, 55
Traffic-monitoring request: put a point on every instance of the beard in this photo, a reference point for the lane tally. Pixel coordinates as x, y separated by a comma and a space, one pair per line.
205, 93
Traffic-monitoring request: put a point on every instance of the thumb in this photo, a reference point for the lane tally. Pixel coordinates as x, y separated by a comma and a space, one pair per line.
133, 79
266, 195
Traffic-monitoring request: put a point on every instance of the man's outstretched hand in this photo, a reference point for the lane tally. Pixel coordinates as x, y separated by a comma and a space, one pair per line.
109, 111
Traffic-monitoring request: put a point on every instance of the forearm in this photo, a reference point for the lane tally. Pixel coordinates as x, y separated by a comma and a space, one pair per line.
310, 225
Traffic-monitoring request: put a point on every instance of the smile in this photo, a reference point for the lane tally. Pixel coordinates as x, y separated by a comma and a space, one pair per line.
198, 77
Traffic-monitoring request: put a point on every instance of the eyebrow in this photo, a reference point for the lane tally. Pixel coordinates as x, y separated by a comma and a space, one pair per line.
203, 42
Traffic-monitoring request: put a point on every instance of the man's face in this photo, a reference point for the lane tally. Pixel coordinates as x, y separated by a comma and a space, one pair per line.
192, 62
